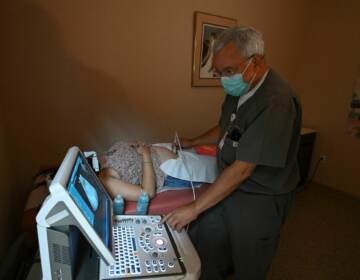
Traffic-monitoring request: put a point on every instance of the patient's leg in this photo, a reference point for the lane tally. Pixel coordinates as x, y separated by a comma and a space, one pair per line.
111, 180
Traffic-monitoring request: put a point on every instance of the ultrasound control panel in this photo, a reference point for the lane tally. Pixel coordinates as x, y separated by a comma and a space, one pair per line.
142, 246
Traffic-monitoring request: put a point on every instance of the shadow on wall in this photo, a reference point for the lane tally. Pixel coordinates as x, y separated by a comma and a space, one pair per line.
50, 101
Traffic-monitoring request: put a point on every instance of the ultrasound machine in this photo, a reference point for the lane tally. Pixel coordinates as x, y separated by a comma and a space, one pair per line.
79, 238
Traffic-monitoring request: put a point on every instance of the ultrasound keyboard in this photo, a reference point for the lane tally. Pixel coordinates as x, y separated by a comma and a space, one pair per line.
142, 247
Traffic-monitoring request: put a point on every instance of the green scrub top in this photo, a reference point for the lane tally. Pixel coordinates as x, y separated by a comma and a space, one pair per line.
266, 132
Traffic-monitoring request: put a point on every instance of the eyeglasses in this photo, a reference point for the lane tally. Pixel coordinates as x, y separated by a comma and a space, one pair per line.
229, 71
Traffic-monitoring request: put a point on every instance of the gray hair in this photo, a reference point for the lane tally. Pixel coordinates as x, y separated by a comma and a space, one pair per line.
248, 40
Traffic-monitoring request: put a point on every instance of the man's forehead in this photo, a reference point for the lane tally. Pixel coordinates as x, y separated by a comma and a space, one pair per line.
227, 56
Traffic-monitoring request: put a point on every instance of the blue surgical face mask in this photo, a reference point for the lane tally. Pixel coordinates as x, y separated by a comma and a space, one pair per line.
235, 85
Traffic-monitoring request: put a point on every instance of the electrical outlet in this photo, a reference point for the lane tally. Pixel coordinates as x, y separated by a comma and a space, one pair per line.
323, 157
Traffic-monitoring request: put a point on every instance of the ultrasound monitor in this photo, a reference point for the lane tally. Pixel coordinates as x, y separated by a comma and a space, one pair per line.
90, 197
78, 199
128, 246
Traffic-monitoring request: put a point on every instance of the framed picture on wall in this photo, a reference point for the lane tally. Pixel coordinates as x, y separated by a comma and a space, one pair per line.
206, 28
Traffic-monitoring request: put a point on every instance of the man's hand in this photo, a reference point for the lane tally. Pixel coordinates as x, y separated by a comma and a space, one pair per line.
186, 142
181, 216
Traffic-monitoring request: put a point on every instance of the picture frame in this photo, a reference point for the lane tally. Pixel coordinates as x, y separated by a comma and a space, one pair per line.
206, 28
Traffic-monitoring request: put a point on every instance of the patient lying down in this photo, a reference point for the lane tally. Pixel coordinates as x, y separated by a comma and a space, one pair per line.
129, 169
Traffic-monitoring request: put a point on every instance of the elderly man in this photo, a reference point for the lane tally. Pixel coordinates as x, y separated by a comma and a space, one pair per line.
237, 221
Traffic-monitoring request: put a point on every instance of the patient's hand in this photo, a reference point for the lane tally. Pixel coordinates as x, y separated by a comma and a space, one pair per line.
141, 148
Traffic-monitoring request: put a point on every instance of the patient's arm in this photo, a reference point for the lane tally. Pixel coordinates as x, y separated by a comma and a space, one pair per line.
148, 181
114, 185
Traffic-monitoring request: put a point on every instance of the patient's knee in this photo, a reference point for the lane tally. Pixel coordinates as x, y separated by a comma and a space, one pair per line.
106, 173
102, 174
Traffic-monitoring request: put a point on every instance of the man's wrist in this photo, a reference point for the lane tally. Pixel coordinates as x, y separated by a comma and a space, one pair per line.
197, 208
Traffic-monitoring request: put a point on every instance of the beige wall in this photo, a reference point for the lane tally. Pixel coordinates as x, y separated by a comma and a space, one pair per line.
325, 81
89, 73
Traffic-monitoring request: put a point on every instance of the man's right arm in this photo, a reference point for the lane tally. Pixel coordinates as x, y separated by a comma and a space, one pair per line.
207, 138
